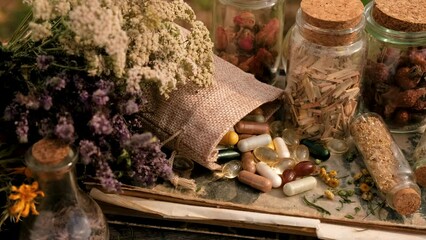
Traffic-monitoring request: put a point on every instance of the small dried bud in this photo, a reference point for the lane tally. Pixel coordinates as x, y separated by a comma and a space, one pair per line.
268, 35
221, 42
245, 19
246, 40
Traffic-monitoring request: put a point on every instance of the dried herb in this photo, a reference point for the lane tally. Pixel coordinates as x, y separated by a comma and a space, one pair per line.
313, 205
349, 216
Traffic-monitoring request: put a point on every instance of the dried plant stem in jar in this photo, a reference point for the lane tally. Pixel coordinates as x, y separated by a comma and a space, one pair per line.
386, 163
326, 60
324, 92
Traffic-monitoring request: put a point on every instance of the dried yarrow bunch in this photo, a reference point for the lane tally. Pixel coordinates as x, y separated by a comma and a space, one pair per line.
78, 70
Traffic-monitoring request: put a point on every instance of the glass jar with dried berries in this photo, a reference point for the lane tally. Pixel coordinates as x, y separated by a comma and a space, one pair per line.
395, 74
248, 34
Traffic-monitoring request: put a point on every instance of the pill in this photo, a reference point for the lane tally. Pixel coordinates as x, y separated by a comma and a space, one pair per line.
299, 186
264, 170
290, 136
248, 162
244, 136
251, 143
266, 155
304, 168
254, 118
301, 153
282, 164
276, 128
288, 175
281, 148
228, 154
271, 145
231, 168
251, 127
316, 149
230, 139
255, 181
257, 111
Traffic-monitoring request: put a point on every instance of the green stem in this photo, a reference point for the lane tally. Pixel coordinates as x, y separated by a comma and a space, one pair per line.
68, 67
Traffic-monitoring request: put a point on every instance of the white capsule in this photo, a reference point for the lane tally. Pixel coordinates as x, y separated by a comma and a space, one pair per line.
299, 186
266, 171
251, 143
281, 148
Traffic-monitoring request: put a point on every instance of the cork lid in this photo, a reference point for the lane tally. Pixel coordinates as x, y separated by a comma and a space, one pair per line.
49, 152
420, 174
401, 15
406, 201
332, 14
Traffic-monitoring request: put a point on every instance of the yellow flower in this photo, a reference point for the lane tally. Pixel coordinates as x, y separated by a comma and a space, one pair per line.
24, 196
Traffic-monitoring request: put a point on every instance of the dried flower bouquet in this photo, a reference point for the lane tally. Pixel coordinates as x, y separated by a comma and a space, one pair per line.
77, 70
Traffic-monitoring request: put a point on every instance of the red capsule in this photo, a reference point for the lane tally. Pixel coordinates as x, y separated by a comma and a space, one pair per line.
248, 162
304, 168
251, 127
288, 176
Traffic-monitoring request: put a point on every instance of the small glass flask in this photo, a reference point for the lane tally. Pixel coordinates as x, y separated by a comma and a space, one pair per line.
248, 34
66, 212
395, 74
386, 163
419, 156
326, 55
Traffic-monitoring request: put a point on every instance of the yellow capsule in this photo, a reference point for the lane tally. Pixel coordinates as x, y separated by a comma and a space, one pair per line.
231, 138
271, 145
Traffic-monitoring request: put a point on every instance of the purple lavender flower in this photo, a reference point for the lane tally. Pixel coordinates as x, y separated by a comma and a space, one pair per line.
58, 82
10, 112
65, 129
105, 85
100, 97
84, 95
120, 128
44, 127
100, 124
22, 128
87, 150
46, 102
43, 61
106, 177
131, 107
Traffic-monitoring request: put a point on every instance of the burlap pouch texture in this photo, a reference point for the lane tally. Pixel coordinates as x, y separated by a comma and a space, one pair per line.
198, 118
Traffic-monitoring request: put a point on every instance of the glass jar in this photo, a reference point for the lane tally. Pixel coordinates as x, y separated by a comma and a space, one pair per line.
326, 57
395, 74
65, 212
419, 156
248, 34
386, 163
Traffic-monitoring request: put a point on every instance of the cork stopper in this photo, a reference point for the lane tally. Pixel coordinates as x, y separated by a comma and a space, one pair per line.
420, 174
406, 201
49, 152
332, 15
401, 15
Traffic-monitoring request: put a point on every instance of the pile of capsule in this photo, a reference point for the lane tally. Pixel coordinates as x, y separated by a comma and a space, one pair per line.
270, 156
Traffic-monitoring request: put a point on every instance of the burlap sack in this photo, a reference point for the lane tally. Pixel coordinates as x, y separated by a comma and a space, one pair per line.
200, 117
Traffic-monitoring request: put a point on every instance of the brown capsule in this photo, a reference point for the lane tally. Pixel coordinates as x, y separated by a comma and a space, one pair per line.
255, 181
257, 111
244, 136
304, 168
248, 162
288, 176
251, 127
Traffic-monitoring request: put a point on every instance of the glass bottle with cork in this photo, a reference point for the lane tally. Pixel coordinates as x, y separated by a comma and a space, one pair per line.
386, 163
65, 212
326, 57
395, 74
248, 34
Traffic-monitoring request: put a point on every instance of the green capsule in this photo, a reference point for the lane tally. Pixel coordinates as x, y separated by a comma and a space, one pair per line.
316, 149
228, 154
